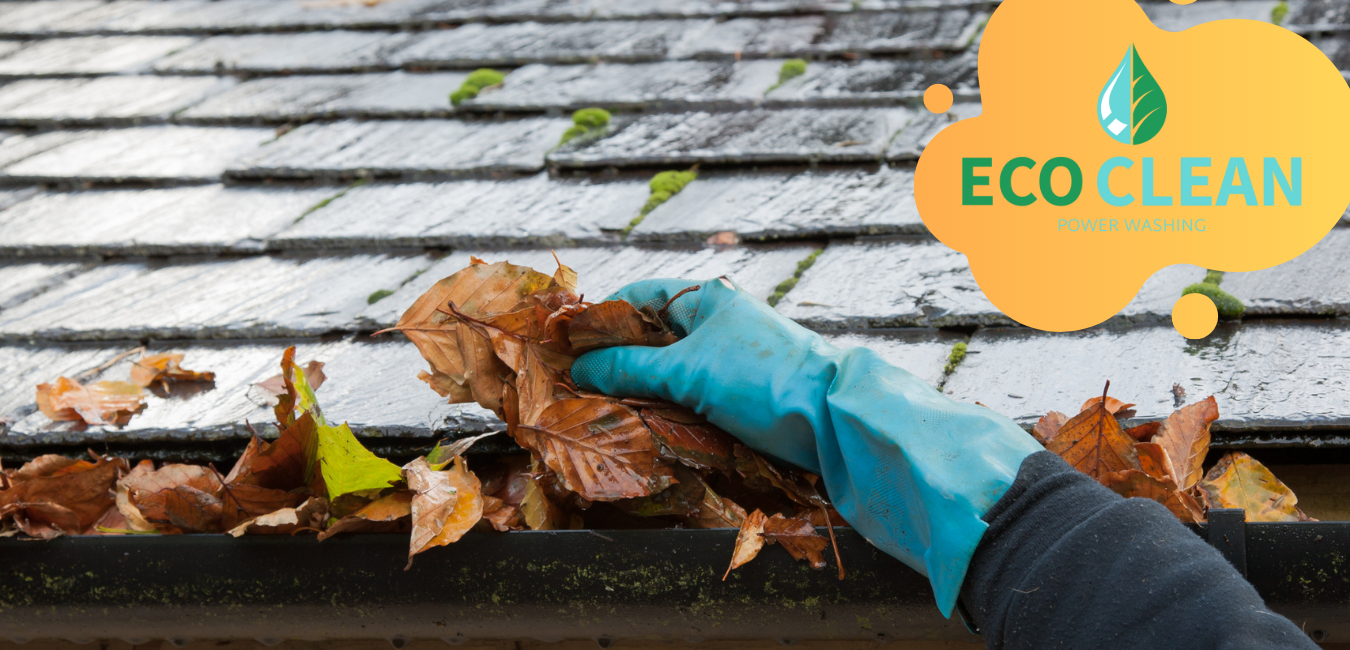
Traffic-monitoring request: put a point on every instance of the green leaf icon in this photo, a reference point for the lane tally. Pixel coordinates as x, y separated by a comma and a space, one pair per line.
1133, 107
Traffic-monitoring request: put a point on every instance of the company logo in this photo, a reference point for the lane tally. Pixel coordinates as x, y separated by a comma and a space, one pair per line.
1063, 226
1135, 97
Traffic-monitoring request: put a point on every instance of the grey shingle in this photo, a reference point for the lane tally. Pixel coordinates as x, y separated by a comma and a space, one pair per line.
19, 282
902, 31
89, 55
1318, 16
1267, 374
773, 206
155, 153
1337, 48
922, 352
537, 211
521, 43
253, 297
741, 37
747, 137
877, 81
13, 196
276, 99
161, 221
910, 143
15, 147
60, 16
603, 271
103, 100
296, 53
666, 85
410, 149
264, 15
371, 386
1175, 18
1316, 283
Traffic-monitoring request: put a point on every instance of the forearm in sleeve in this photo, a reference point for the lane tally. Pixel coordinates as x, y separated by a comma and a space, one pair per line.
1066, 563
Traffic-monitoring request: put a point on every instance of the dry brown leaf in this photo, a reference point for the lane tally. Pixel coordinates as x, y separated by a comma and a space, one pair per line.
160, 501
275, 386
500, 515
1185, 436
1135, 483
1094, 443
689, 438
1113, 406
104, 402
611, 323
1048, 426
286, 521
798, 536
446, 386
132, 514
748, 541
599, 449
243, 501
1155, 462
1145, 431
51, 495
191, 510
445, 504
391, 513
163, 369
1239, 481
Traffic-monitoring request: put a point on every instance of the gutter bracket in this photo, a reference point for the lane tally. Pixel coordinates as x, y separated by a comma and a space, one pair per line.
1227, 531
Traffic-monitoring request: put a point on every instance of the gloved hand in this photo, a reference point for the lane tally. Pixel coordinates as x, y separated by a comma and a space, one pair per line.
910, 469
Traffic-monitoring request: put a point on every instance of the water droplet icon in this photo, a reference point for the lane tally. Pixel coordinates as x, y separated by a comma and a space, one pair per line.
1132, 108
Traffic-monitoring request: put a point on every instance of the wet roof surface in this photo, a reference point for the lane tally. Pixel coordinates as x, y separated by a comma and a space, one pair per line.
227, 178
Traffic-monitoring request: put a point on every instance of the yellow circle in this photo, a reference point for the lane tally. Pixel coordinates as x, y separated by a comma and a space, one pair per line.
1195, 316
938, 98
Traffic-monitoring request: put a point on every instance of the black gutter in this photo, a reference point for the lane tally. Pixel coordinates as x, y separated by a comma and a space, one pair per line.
605, 585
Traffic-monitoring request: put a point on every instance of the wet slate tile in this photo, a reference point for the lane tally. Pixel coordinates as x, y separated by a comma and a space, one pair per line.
877, 81
782, 206
154, 153
13, 196
103, 100
340, 51
602, 271
537, 211
90, 55
1264, 374
371, 386
752, 37
650, 86
909, 143
152, 222
20, 281
1337, 48
243, 298
264, 16
1153, 304
531, 42
905, 282
1175, 18
410, 149
16, 147
59, 16
1314, 283
750, 137
276, 99
902, 31
922, 352
1318, 16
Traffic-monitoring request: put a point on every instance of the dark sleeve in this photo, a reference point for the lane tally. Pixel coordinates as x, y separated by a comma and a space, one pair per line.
1068, 564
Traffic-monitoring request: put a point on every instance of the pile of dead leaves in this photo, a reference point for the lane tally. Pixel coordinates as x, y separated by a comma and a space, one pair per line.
505, 336
113, 402
1164, 460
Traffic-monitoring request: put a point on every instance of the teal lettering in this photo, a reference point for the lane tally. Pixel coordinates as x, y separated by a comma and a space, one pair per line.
1104, 182
1149, 199
1237, 170
1292, 184
1190, 181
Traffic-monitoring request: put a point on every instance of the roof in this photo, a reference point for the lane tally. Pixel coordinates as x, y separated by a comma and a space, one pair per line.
228, 178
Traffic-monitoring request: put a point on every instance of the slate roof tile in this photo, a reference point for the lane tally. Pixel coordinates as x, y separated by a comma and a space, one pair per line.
21, 281
877, 81
154, 153
521, 43
152, 222
741, 37
910, 143
411, 149
1308, 16
1337, 48
210, 16
60, 16
245, 298
745, 137
1316, 283
117, 100
668, 85
772, 206
89, 55
291, 53
603, 271
902, 31
1268, 375
537, 211
297, 98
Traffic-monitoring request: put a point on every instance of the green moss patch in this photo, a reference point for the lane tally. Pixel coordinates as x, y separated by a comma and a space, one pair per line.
1213, 277
954, 359
787, 285
585, 121
1229, 307
1280, 12
378, 296
664, 185
475, 83
792, 68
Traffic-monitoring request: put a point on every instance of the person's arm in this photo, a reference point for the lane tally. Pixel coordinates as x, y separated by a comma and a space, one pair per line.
1066, 563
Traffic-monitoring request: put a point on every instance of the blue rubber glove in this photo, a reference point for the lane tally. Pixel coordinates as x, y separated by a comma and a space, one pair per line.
910, 469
